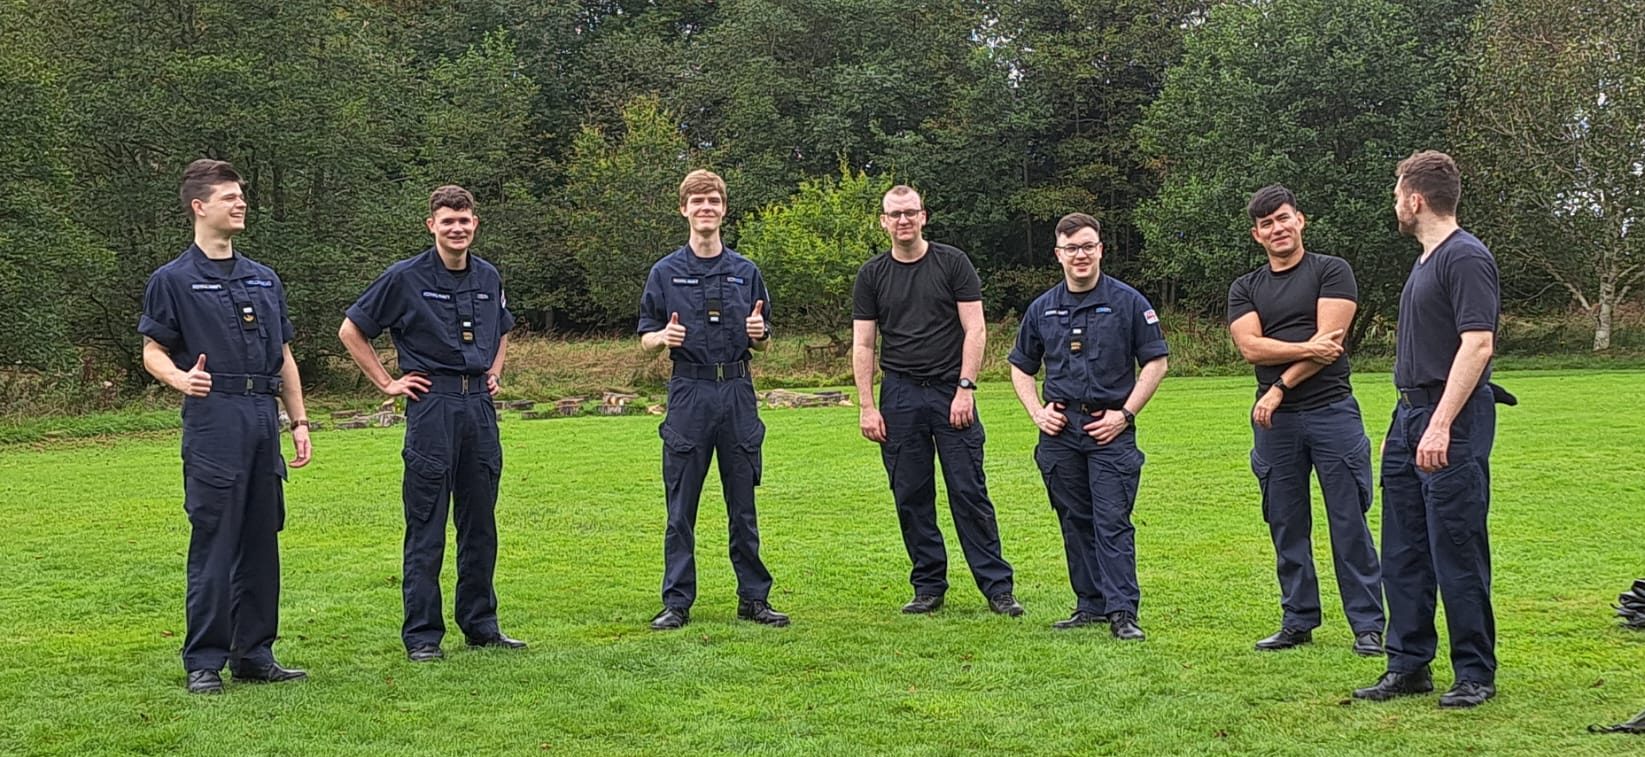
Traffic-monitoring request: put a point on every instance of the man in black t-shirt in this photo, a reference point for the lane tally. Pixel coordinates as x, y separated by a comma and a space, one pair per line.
1288, 318
1436, 459
924, 301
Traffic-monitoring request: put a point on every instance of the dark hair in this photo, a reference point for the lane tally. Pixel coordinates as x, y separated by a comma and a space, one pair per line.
201, 176
1269, 199
1073, 222
1433, 175
450, 196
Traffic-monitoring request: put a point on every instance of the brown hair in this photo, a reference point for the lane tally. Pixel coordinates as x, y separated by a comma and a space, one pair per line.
1269, 199
1433, 175
1073, 222
450, 196
201, 176
702, 182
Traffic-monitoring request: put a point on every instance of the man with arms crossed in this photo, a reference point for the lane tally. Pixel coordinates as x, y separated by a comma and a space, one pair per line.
707, 306
1436, 460
925, 302
1091, 332
215, 328
449, 319
1288, 318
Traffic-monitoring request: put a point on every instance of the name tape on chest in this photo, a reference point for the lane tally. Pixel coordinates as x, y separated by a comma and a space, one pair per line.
266, 283
429, 294
736, 280
1057, 311
482, 296
689, 281
202, 287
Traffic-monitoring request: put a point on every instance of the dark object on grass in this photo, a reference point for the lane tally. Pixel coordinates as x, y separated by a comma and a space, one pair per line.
1637, 725
1631, 606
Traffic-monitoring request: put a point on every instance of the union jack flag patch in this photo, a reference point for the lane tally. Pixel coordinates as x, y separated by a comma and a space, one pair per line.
1149, 316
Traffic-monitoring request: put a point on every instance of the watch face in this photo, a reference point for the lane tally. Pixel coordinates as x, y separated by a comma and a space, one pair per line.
967, 384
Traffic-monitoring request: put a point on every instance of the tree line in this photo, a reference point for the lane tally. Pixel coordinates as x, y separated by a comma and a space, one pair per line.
572, 122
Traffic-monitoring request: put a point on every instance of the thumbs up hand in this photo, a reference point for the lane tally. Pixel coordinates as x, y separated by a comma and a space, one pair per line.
195, 382
756, 322
674, 332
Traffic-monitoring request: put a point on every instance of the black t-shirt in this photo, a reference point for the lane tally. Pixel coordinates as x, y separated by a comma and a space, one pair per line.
1287, 302
1453, 291
916, 306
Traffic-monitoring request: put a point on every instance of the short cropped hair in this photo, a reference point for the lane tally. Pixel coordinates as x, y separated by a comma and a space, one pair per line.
201, 176
1435, 176
450, 196
1269, 199
1073, 222
702, 182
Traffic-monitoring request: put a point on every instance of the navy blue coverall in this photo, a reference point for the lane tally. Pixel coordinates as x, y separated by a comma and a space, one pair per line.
1091, 349
232, 468
711, 410
446, 326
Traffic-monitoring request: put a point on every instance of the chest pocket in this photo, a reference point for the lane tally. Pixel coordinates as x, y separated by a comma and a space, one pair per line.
484, 312
687, 295
737, 292
1110, 334
257, 295
440, 335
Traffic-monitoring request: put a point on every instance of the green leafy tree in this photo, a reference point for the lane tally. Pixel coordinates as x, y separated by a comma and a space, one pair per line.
1324, 96
1553, 134
810, 246
620, 209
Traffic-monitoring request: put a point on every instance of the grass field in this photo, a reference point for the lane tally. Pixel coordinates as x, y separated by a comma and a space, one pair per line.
94, 539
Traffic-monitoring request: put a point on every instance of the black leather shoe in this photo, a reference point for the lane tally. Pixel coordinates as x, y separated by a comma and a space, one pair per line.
1285, 639
1467, 694
205, 682
670, 619
760, 612
1393, 684
1080, 619
499, 641
1005, 604
923, 603
268, 672
1368, 644
425, 653
1124, 627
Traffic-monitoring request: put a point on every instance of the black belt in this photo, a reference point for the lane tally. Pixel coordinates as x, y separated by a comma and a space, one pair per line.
711, 371
1427, 396
925, 380
245, 383
1090, 407
447, 383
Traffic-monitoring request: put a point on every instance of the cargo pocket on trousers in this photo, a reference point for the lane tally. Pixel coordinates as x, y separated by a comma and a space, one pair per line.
1047, 463
425, 484
280, 493
208, 488
677, 450
1457, 495
1359, 466
751, 445
1264, 472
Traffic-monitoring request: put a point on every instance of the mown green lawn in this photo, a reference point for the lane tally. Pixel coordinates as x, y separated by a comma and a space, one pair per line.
92, 541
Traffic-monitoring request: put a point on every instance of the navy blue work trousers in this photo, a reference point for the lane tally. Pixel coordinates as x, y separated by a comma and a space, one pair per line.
232, 487
708, 419
453, 462
918, 432
1434, 539
1329, 442
1093, 488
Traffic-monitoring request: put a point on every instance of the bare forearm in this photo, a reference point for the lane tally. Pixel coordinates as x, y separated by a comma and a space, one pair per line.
976, 340
360, 349
862, 369
652, 341
1466, 369
502, 355
291, 387
1026, 389
1148, 381
158, 363
1262, 350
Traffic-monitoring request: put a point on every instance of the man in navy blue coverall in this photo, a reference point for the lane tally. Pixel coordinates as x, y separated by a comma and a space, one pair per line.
707, 306
1091, 333
449, 319
215, 328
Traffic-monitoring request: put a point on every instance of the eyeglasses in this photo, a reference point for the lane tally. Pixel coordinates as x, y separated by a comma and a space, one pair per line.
898, 215
1075, 250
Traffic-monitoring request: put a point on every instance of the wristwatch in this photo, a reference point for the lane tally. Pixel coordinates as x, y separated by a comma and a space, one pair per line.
1130, 417
299, 423
1283, 387
966, 383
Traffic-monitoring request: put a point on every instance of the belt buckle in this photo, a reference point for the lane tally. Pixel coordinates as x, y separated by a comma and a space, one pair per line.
719, 371
251, 384
465, 384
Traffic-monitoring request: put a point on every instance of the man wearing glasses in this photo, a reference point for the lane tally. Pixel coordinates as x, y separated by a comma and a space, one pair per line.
1091, 333
924, 301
